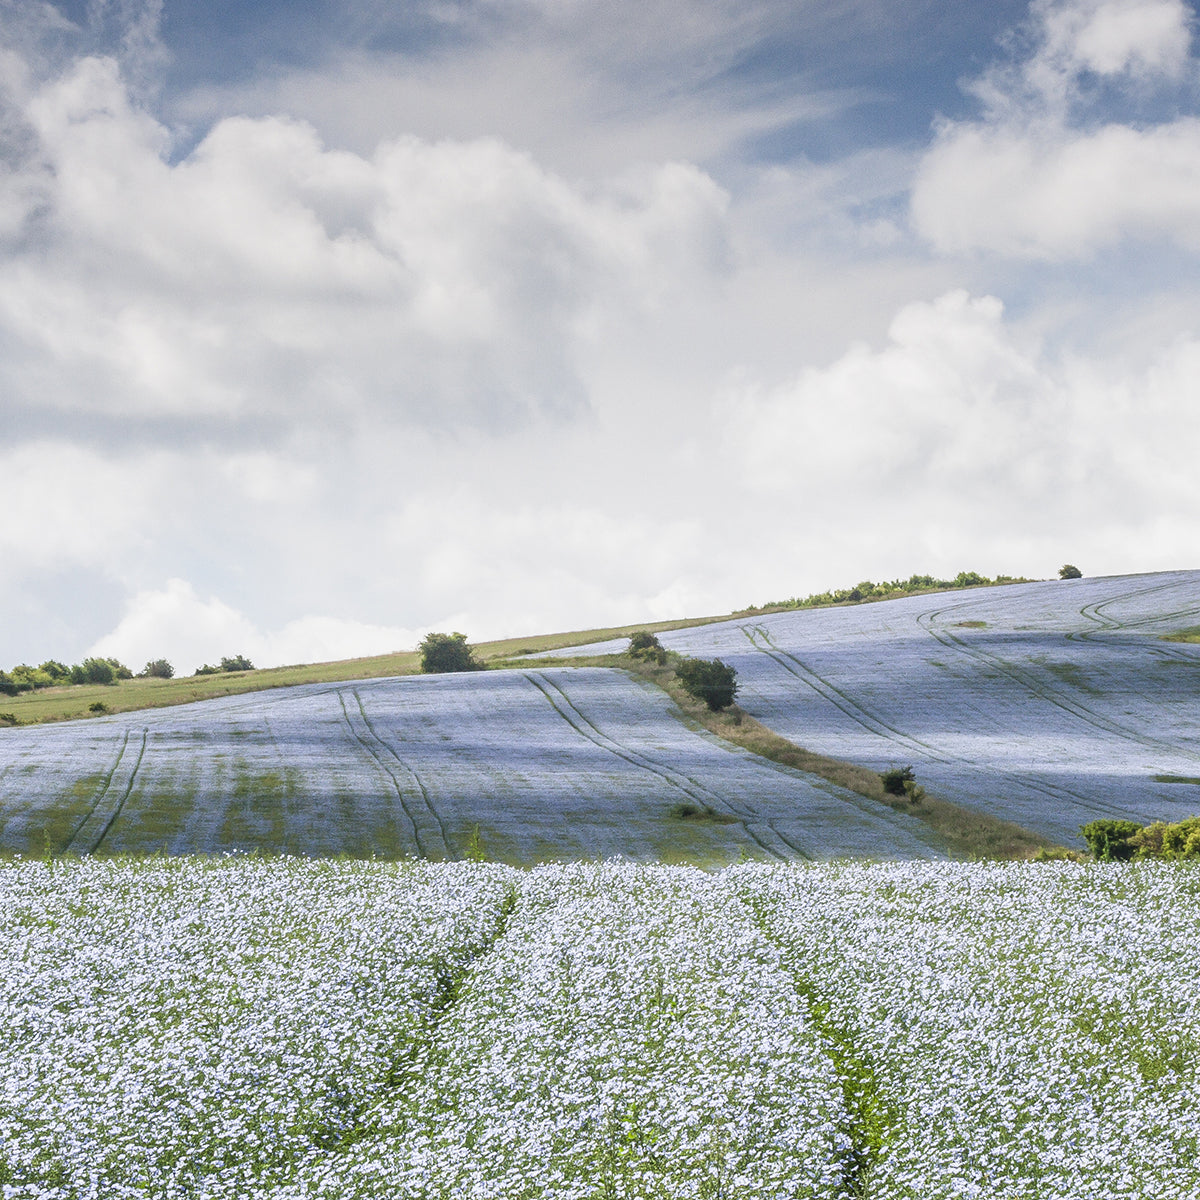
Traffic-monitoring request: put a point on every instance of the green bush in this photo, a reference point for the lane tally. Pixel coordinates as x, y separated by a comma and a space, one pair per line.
709, 680
646, 646
94, 670
8, 685
1069, 571
896, 779
444, 652
237, 663
1110, 839
158, 668
1182, 840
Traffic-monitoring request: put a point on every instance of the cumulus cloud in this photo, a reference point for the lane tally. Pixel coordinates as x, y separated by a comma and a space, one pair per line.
175, 622
1043, 174
961, 423
264, 276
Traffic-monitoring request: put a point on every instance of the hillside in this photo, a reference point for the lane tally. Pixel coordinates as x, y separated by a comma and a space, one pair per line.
1043, 704
1048, 704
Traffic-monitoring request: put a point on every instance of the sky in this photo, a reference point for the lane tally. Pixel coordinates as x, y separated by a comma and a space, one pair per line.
328, 323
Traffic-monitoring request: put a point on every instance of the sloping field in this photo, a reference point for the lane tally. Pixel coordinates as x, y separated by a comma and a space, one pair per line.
1047, 704
243, 1028
518, 766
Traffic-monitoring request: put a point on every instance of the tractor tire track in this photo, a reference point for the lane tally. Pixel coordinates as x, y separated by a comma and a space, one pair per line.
424, 838
369, 750
1028, 681
1111, 629
93, 829
874, 725
418, 782
835, 696
693, 789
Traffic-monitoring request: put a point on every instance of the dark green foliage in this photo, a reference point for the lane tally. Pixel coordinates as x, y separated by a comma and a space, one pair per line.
1069, 571
237, 663
94, 670
9, 719
887, 590
709, 680
158, 668
646, 646
1110, 839
894, 780
97, 706
8, 685
56, 671
442, 652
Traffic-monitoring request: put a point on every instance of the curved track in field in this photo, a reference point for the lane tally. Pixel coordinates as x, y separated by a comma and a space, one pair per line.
521, 766
1047, 704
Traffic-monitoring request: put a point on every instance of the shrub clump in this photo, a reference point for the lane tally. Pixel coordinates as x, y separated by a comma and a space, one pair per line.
1175, 842
1069, 571
239, 662
709, 680
444, 652
901, 782
1111, 839
159, 668
646, 647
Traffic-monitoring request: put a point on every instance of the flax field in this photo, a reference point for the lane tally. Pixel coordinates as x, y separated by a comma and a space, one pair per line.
249, 1027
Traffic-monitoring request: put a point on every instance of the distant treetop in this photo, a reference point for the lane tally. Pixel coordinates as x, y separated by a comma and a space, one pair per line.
1069, 571
889, 590
442, 652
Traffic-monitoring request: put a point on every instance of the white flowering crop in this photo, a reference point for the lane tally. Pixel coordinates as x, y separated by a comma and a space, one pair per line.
528, 765
301, 1030
1048, 704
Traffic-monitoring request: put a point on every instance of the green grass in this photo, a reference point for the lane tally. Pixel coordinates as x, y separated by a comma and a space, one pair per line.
1191, 634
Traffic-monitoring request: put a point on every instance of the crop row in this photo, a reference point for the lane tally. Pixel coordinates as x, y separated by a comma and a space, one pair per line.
245, 1027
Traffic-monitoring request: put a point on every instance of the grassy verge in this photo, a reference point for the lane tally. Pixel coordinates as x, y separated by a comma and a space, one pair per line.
966, 833
1192, 634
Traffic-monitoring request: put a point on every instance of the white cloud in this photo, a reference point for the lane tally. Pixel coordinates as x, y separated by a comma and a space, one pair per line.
265, 275
1035, 177
174, 622
963, 432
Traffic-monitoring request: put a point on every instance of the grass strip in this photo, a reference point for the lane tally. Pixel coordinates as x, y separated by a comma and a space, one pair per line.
967, 834
1191, 634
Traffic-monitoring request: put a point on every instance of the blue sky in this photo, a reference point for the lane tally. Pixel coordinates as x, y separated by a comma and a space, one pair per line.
326, 324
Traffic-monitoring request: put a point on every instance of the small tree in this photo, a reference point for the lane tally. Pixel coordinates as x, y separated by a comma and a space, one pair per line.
709, 680
1069, 571
159, 668
444, 652
239, 662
